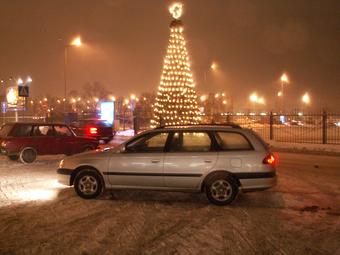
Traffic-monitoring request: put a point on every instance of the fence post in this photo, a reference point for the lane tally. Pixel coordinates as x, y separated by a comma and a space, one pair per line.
324, 127
271, 121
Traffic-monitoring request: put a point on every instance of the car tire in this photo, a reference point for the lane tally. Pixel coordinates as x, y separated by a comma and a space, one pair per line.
28, 155
107, 140
221, 189
88, 148
13, 157
88, 184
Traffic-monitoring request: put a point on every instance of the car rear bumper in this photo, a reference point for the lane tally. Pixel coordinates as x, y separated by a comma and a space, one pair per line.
257, 181
64, 176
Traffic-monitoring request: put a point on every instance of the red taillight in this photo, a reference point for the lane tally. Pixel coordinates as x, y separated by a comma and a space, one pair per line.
93, 131
270, 159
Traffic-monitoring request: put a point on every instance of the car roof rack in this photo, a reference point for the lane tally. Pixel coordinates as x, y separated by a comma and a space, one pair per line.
229, 124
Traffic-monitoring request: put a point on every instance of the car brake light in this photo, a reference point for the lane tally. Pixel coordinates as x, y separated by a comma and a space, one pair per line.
270, 159
93, 130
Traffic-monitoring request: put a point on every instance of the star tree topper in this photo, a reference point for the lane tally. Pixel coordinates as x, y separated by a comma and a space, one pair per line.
176, 10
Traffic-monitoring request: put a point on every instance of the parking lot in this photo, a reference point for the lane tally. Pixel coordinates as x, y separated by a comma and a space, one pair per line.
299, 216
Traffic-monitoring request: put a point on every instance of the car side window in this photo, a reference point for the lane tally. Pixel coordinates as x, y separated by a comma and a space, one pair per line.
62, 131
42, 130
190, 142
149, 143
232, 141
22, 130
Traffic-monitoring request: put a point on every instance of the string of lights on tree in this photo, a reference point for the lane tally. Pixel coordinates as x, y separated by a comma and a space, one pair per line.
176, 101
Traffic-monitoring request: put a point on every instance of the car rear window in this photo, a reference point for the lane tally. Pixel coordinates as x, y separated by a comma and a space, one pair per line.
5, 129
232, 141
22, 130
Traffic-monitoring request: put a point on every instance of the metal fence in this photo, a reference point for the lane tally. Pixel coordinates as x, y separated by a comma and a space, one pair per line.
319, 128
296, 128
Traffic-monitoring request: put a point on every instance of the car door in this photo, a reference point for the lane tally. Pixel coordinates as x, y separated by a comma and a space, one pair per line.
43, 139
141, 164
190, 155
64, 140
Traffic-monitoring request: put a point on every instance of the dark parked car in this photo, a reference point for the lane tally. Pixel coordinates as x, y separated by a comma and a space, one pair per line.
96, 128
25, 141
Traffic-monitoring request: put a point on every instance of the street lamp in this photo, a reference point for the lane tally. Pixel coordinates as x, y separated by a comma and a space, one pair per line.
253, 97
305, 98
284, 80
76, 42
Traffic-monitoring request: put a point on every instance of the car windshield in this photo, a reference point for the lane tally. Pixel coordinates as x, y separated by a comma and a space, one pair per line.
5, 129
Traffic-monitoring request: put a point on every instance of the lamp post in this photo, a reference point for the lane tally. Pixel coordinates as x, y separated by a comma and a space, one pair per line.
305, 99
20, 82
77, 43
284, 80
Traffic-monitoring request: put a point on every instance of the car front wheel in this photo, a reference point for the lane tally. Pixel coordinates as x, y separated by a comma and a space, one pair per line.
88, 184
28, 155
221, 189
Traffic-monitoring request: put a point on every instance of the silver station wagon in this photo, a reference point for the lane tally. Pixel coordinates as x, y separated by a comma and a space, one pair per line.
217, 160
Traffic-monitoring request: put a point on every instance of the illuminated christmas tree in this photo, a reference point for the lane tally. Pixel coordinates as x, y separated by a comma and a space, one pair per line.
176, 101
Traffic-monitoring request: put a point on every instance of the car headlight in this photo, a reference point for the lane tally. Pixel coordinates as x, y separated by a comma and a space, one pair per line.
61, 164
3, 144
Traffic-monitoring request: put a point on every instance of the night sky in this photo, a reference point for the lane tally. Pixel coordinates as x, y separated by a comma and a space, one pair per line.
253, 42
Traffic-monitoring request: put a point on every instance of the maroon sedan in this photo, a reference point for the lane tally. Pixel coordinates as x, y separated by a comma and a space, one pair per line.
25, 141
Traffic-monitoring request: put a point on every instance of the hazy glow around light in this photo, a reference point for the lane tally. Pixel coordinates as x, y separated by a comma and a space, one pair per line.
176, 10
29, 79
284, 78
203, 98
20, 81
76, 41
213, 66
306, 98
253, 97
261, 100
279, 94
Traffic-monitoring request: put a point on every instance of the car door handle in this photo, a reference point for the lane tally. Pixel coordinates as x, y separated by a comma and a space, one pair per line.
155, 161
207, 161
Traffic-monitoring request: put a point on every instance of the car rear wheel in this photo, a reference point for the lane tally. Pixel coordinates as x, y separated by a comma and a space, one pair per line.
28, 155
221, 189
88, 184
13, 157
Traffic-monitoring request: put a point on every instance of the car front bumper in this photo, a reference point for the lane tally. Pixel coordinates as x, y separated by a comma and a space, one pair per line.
64, 176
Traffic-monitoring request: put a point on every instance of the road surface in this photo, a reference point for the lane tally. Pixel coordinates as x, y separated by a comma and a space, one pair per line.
299, 216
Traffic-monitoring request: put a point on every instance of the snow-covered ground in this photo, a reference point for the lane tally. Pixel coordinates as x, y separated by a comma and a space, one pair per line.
299, 216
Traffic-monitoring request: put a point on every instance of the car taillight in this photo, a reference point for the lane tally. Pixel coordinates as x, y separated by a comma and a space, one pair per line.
270, 159
93, 131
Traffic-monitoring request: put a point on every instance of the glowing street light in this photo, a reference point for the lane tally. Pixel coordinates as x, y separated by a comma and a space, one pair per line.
20, 81
305, 98
284, 78
113, 98
253, 98
203, 98
213, 66
76, 42
29, 79
133, 97
279, 94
